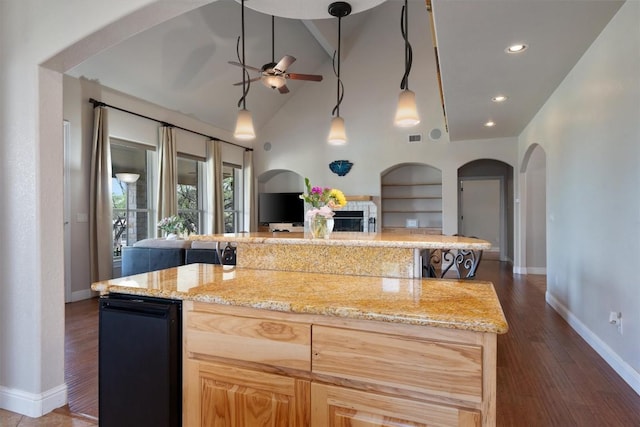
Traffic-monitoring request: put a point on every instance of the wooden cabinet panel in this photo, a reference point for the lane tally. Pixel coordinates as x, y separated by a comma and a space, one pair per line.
439, 368
333, 406
272, 342
236, 397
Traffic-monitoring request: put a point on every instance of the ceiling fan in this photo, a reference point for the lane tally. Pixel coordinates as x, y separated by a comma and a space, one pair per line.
274, 75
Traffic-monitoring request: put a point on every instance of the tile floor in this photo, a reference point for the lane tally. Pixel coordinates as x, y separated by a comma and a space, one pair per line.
54, 419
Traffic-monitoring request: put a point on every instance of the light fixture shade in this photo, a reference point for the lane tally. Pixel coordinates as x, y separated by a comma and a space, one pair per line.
407, 112
274, 82
244, 125
337, 134
129, 178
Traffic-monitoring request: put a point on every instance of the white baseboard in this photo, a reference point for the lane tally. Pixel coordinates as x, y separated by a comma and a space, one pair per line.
628, 374
519, 270
530, 270
82, 295
31, 404
536, 270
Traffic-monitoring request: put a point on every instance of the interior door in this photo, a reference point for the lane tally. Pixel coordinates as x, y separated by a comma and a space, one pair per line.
480, 212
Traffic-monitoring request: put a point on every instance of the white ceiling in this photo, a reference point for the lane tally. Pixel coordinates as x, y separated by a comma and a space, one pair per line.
472, 37
182, 64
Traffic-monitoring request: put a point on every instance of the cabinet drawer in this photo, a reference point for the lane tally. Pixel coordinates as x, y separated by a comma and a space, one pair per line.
272, 342
339, 406
440, 368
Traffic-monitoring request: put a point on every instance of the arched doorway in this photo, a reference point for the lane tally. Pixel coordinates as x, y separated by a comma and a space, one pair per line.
485, 204
533, 207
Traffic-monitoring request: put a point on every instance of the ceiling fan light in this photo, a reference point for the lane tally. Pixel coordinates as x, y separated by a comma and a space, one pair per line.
244, 126
274, 82
337, 134
128, 178
407, 112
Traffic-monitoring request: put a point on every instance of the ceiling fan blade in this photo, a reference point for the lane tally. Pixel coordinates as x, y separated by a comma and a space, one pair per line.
310, 77
283, 89
251, 80
248, 67
284, 63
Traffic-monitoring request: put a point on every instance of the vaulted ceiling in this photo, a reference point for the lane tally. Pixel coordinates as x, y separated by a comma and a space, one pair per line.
182, 64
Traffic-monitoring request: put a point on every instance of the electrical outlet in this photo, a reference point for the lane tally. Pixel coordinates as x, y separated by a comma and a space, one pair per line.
615, 318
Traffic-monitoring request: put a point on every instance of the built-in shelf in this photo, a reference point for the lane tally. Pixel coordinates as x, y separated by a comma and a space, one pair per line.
411, 185
412, 195
414, 198
414, 211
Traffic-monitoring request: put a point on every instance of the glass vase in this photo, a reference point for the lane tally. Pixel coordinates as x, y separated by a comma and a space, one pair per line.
320, 227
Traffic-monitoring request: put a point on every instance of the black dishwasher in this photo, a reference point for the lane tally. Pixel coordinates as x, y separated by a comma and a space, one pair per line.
140, 362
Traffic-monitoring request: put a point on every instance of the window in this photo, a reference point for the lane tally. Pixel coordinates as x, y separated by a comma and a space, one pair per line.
131, 201
190, 204
232, 193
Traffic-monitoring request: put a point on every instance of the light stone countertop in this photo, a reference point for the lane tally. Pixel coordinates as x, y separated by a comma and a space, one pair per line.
456, 304
389, 240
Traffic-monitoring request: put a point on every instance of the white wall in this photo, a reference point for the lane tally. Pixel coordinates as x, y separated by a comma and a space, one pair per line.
590, 130
31, 147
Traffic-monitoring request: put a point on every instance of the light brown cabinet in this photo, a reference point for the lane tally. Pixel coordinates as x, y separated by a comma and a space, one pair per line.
340, 406
249, 367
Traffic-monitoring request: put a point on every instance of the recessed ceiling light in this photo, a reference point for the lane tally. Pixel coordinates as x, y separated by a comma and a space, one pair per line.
499, 98
490, 124
516, 48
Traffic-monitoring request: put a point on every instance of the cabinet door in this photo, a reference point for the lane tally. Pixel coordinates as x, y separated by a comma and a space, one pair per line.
342, 407
237, 397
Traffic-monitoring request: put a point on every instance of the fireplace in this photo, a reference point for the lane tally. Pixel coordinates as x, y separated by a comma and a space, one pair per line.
348, 221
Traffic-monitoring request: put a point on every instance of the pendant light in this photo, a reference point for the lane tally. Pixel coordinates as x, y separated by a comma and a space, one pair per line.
407, 112
244, 123
337, 134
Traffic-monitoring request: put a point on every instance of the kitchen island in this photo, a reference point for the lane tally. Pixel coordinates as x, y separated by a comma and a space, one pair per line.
362, 254
267, 347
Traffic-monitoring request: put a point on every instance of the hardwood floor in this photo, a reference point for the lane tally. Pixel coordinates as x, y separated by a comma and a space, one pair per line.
81, 356
547, 375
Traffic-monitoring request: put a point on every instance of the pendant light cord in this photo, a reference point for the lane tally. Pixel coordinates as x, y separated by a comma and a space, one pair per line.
408, 52
273, 40
340, 86
246, 81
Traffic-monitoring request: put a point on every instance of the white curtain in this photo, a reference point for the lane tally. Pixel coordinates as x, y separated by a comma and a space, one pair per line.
100, 209
251, 219
167, 200
215, 199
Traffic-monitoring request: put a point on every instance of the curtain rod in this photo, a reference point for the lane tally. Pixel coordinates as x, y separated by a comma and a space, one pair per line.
97, 103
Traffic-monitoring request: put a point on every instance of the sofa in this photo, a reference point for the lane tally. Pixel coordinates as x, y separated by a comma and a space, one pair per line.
158, 254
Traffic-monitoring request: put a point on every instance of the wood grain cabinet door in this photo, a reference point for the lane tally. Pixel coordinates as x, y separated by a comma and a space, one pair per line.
333, 406
237, 397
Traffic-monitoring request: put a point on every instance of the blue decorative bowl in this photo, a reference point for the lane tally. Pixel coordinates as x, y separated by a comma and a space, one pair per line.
340, 167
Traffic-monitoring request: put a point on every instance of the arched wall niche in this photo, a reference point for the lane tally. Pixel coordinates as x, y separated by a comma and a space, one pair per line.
280, 181
411, 198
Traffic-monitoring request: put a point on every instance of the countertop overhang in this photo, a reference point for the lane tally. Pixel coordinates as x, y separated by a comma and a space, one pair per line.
389, 240
445, 303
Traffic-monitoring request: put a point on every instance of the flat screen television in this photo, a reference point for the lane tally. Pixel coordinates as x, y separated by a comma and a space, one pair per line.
280, 207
